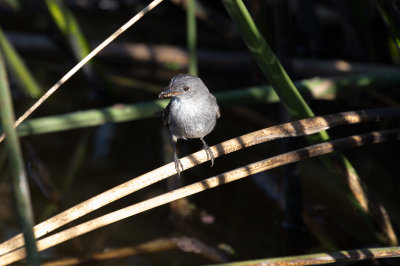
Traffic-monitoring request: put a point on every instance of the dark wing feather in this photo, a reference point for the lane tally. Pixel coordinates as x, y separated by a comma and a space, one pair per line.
166, 119
218, 114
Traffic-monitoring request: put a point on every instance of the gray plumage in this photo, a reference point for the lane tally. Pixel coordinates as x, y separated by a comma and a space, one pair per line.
192, 112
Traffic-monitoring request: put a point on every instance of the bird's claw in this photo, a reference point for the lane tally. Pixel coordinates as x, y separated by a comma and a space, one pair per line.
210, 154
177, 164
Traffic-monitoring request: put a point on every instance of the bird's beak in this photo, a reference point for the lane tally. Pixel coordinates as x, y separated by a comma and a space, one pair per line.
168, 93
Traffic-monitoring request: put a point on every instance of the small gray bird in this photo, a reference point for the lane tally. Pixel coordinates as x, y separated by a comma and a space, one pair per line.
191, 114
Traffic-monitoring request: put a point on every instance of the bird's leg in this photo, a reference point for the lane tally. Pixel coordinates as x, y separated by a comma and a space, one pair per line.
176, 159
209, 152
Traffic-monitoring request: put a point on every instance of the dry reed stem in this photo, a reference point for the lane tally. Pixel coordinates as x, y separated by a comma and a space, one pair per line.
156, 245
227, 177
325, 258
78, 66
297, 128
186, 244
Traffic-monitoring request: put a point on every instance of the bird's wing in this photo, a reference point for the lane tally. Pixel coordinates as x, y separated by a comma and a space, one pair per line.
215, 101
166, 119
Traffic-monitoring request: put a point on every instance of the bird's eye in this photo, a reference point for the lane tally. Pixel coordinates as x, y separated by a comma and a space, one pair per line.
186, 88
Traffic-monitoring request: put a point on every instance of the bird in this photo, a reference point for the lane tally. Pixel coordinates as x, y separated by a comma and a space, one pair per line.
192, 112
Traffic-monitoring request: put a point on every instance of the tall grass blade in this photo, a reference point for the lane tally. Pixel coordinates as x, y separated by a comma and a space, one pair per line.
16, 166
70, 29
268, 62
18, 68
191, 36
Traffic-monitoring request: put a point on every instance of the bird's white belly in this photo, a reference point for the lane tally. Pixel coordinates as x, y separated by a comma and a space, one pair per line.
191, 120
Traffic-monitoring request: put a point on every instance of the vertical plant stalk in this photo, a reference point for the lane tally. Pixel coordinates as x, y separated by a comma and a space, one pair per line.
297, 107
67, 24
191, 30
18, 68
69, 27
268, 62
16, 166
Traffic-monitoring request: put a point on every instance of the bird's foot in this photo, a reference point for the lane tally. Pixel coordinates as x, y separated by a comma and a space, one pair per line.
177, 165
210, 154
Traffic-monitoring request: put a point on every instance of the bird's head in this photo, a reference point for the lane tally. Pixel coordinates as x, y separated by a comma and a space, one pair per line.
184, 86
